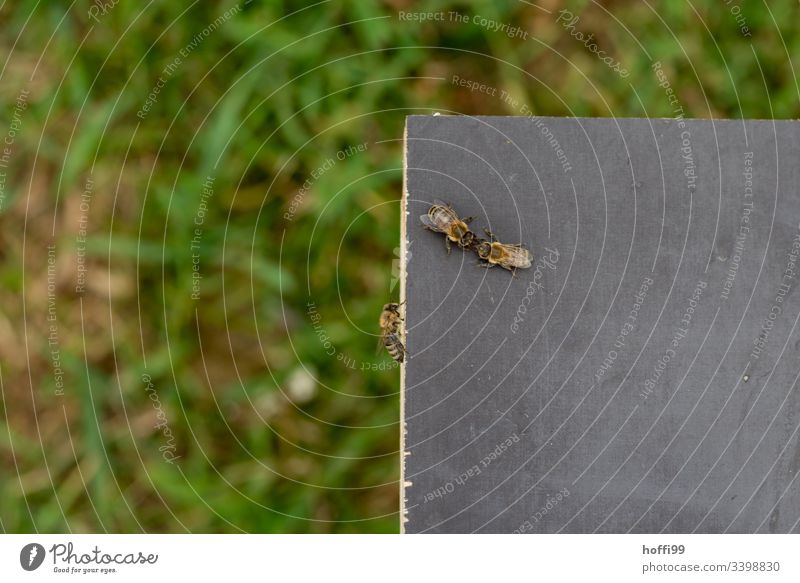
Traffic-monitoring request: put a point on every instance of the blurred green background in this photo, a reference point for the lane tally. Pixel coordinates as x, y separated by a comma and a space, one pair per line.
258, 406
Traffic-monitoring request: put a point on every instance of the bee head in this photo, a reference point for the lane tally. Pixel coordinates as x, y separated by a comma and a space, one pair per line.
467, 238
484, 249
392, 307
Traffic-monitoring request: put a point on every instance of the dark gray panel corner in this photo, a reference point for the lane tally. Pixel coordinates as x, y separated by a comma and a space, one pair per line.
641, 376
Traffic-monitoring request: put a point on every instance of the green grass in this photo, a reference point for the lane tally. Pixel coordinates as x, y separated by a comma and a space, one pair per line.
261, 104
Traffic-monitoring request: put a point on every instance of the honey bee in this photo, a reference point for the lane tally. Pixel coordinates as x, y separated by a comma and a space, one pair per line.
390, 323
441, 218
509, 257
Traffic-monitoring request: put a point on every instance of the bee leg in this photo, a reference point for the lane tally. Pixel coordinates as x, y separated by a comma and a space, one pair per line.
447, 244
490, 234
468, 220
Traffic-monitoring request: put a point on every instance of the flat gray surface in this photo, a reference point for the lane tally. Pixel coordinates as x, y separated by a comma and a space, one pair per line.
517, 394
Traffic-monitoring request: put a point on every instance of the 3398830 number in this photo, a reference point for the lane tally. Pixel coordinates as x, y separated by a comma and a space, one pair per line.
765, 566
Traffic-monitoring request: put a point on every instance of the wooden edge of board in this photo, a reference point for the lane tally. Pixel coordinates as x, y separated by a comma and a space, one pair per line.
403, 245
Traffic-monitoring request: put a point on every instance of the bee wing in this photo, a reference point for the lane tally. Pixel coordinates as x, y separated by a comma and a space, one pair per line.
515, 256
426, 220
447, 209
381, 343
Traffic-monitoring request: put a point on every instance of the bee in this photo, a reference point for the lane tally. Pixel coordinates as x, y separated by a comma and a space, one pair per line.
509, 257
391, 323
441, 218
